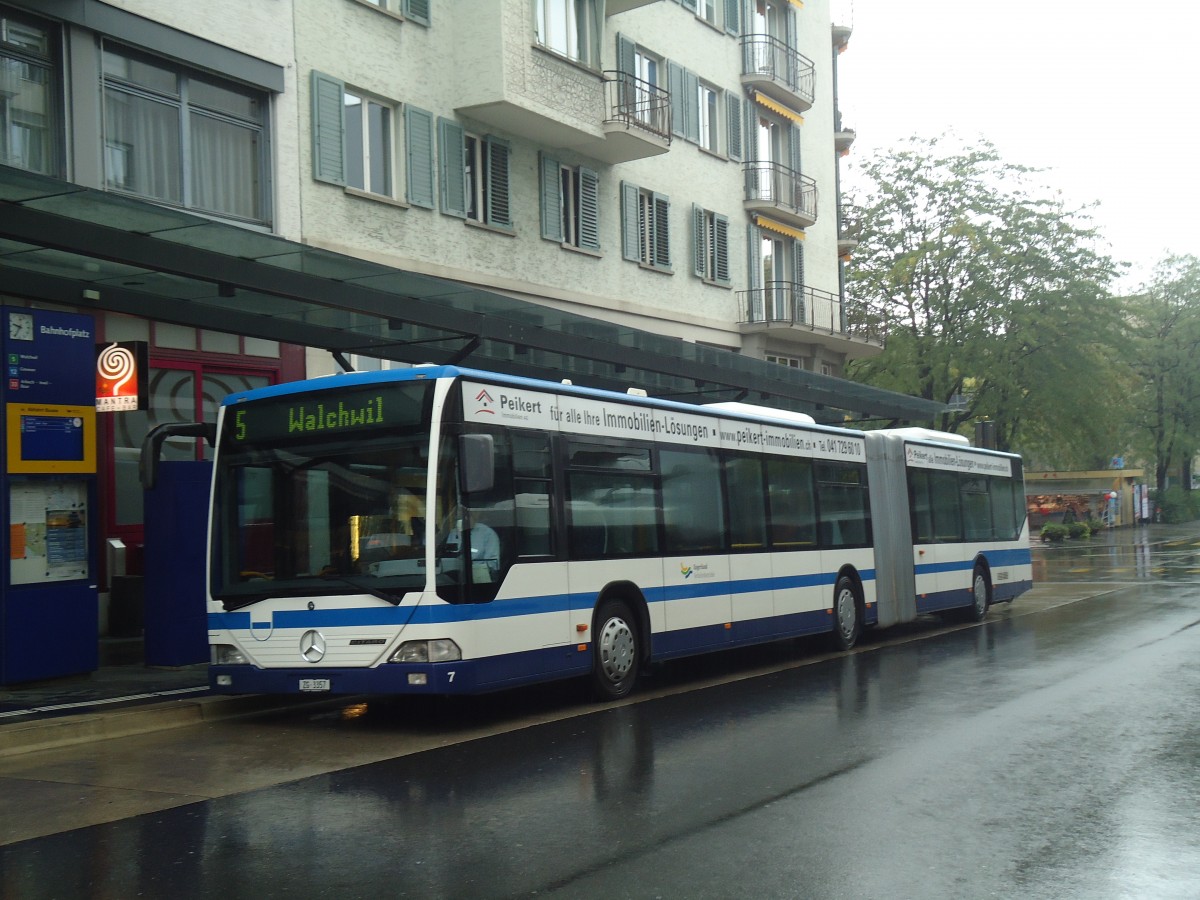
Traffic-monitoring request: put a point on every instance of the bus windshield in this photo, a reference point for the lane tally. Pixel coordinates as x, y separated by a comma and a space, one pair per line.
315, 492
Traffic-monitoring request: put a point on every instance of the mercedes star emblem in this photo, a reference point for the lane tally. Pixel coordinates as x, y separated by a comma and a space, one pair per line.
312, 646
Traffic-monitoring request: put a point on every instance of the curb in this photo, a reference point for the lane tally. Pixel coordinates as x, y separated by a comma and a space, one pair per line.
66, 731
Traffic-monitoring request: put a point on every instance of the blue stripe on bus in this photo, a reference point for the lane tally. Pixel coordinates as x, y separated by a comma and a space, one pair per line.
434, 614
997, 559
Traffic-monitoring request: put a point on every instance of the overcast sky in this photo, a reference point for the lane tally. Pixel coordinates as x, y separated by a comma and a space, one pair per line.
1101, 93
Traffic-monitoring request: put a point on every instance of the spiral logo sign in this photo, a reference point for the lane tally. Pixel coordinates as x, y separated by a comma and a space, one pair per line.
121, 376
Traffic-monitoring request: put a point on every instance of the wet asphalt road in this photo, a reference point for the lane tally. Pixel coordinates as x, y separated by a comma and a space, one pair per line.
1047, 754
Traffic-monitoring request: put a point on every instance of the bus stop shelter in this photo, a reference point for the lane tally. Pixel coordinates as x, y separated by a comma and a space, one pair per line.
64, 244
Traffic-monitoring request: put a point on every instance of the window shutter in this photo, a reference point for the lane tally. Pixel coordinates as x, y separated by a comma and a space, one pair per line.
798, 291
418, 137
750, 145
589, 208
794, 148
732, 11
691, 105
699, 244
626, 53
328, 129
721, 247
499, 209
417, 11
754, 310
661, 240
733, 113
675, 81
551, 198
630, 247
453, 168
626, 64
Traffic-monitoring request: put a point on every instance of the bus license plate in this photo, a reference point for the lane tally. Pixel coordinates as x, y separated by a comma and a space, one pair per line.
314, 684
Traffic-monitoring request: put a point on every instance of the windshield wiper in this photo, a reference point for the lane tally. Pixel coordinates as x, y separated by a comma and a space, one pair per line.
362, 585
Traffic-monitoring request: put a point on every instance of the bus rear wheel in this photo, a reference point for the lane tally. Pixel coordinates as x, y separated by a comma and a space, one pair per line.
980, 595
615, 651
847, 625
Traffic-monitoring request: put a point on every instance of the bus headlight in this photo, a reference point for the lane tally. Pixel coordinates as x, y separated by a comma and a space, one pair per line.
438, 650
227, 655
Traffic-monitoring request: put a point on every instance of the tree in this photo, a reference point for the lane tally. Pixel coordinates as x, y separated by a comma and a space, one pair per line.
993, 297
1165, 339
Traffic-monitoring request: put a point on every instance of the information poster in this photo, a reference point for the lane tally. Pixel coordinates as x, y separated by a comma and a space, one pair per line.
47, 531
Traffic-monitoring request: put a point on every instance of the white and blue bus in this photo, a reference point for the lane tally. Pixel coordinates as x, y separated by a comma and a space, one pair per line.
444, 530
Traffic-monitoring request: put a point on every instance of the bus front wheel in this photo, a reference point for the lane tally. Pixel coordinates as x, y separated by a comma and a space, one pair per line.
847, 624
616, 655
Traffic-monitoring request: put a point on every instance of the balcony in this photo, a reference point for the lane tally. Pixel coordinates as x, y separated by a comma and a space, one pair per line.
781, 192
637, 121
805, 315
540, 93
772, 67
613, 7
849, 230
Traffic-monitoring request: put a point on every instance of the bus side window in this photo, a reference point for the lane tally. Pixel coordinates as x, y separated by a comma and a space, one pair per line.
793, 510
691, 498
845, 513
976, 507
922, 506
947, 516
533, 489
747, 503
1004, 509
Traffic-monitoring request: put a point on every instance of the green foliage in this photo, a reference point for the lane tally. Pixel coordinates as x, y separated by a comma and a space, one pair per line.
1164, 353
992, 295
1079, 530
1054, 532
1178, 505
1095, 526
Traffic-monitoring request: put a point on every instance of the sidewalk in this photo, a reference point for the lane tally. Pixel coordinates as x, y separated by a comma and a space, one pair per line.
121, 698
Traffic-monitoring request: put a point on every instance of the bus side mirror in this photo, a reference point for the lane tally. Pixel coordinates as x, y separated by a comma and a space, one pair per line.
477, 462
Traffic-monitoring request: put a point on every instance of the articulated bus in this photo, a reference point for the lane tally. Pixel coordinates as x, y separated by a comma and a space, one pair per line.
442, 530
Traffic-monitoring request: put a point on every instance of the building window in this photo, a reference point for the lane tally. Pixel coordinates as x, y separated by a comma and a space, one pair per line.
709, 120
29, 117
570, 204
369, 157
183, 138
790, 361
569, 28
711, 245
475, 176
645, 226
355, 142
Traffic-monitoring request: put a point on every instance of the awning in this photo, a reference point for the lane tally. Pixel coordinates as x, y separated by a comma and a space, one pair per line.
779, 227
776, 107
65, 244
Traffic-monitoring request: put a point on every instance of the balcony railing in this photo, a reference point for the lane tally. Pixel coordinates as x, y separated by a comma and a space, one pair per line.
635, 103
786, 190
796, 305
769, 62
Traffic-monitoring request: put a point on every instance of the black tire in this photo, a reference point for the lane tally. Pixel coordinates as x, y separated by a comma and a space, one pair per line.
847, 623
981, 595
616, 651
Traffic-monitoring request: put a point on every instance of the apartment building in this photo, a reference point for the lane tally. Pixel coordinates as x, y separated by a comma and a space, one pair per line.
669, 166
661, 166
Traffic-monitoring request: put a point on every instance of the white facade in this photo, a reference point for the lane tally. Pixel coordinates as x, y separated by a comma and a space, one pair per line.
484, 68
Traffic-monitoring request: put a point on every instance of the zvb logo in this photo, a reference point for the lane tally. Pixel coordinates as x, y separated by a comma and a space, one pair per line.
685, 570
312, 646
485, 401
